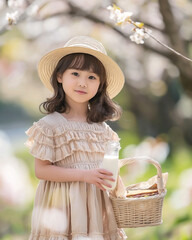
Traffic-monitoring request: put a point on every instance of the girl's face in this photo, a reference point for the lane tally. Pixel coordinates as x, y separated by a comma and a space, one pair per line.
79, 85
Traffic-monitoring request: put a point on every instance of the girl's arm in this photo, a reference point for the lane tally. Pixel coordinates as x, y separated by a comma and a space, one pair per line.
46, 171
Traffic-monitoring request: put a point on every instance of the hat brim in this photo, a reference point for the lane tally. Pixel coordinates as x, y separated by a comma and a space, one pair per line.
47, 64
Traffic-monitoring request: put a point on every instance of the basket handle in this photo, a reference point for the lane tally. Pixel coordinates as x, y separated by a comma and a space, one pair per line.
125, 161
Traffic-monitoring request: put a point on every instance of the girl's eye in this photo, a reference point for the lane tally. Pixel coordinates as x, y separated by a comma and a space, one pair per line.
75, 74
92, 77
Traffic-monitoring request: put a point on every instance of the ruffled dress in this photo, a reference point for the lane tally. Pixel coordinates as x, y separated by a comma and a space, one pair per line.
71, 210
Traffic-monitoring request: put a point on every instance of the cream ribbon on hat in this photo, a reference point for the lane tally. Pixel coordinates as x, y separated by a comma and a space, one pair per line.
74, 42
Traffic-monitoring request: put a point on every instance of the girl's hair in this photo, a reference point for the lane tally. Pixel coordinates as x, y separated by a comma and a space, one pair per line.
101, 107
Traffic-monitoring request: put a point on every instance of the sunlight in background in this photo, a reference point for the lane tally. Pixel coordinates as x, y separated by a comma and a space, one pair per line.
182, 197
15, 184
155, 148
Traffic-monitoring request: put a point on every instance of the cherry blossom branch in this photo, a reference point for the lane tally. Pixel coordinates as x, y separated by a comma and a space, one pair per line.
122, 18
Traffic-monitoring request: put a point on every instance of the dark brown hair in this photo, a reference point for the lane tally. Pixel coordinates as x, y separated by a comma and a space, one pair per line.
101, 107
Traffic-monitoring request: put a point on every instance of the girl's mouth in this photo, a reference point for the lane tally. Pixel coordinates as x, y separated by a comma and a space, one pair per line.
80, 92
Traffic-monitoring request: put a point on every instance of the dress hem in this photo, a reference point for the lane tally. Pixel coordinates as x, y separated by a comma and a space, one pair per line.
113, 235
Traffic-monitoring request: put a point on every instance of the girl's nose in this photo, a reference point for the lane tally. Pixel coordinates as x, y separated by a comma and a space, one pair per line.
82, 83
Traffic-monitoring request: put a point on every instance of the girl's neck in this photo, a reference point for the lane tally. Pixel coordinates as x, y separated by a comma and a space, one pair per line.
76, 113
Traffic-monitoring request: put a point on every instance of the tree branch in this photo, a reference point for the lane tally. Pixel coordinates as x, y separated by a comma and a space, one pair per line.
75, 11
171, 26
172, 29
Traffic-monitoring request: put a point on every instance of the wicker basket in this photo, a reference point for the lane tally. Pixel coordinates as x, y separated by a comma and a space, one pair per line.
141, 211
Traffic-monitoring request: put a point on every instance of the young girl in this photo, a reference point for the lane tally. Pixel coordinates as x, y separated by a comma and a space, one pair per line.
69, 144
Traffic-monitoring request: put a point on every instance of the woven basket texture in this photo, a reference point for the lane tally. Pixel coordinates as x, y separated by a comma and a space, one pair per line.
139, 211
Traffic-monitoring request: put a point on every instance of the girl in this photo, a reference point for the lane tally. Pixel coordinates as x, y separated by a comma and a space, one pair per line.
69, 144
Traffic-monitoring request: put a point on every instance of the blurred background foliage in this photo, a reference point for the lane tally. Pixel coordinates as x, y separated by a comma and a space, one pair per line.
156, 99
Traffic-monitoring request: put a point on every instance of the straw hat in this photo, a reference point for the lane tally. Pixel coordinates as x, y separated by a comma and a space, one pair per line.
82, 44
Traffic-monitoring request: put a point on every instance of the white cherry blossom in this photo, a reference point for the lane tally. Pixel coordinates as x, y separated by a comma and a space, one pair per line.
118, 16
123, 18
139, 35
12, 18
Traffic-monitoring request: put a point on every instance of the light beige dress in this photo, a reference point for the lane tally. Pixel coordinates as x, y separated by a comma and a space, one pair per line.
71, 210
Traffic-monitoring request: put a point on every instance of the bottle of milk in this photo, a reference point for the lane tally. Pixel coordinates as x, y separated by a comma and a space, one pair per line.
110, 161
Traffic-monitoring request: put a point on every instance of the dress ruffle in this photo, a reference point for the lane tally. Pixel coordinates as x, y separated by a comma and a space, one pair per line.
41, 141
56, 143
116, 235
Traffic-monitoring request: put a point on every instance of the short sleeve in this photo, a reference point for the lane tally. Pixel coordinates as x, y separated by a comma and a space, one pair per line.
41, 141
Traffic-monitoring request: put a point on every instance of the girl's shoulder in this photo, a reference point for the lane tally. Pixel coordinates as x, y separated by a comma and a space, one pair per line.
50, 120
43, 127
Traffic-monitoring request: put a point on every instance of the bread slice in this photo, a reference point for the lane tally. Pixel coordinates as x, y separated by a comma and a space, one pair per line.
141, 193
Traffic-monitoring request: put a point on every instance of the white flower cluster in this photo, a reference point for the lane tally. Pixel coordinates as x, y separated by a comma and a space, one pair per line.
12, 18
118, 16
123, 18
16, 6
139, 35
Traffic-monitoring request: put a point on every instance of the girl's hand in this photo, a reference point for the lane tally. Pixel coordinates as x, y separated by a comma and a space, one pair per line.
98, 177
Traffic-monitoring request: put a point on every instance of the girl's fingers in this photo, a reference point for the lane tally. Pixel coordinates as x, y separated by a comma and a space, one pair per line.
106, 177
101, 187
105, 183
106, 172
